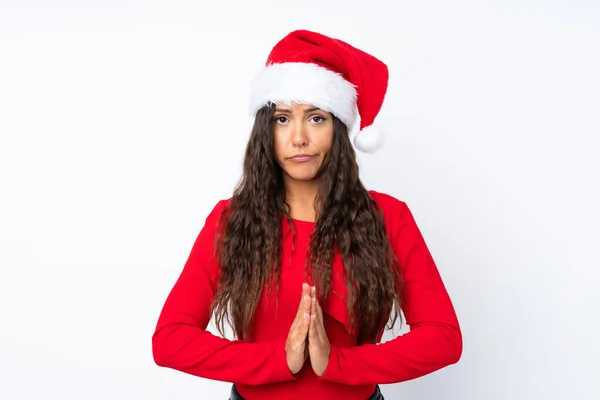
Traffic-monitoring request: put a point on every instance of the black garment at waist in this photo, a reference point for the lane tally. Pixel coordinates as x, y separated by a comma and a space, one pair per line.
375, 396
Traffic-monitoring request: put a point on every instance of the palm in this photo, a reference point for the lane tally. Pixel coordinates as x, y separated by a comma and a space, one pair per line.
318, 343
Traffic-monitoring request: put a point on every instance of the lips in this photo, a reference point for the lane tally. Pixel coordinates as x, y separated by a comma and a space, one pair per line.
301, 157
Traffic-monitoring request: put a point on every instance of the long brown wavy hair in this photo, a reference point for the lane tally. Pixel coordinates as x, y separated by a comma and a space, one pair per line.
248, 244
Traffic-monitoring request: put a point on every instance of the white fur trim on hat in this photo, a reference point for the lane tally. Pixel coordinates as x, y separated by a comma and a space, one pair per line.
369, 139
305, 83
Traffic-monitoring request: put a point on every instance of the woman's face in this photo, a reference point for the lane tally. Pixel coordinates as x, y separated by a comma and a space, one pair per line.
303, 135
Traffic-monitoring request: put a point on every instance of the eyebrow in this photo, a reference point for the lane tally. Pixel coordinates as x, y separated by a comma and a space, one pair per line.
288, 111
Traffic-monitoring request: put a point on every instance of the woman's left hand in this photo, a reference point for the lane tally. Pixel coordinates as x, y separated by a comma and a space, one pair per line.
318, 343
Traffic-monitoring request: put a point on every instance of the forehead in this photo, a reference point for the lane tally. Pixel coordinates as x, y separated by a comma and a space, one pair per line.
294, 107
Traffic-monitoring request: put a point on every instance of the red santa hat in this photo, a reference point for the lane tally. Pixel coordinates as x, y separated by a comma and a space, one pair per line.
309, 67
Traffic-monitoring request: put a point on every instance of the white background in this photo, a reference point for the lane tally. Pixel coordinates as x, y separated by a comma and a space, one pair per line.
123, 122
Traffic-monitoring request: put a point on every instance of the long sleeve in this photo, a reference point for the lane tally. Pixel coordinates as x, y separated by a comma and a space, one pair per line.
434, 340
181, 341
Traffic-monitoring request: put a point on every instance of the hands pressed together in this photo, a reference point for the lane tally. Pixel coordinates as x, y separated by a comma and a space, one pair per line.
307, 337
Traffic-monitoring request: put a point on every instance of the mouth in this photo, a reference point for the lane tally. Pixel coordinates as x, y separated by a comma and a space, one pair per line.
301, 158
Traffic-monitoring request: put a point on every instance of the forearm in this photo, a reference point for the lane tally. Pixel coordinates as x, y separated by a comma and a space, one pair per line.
198, 352
425, 349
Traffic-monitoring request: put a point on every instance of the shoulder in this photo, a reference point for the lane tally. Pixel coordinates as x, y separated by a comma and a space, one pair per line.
399, 221
215, 213
389, 205
221, 205
396, 213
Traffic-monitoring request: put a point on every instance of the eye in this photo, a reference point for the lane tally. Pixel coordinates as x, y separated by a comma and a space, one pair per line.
318, 119
280, 119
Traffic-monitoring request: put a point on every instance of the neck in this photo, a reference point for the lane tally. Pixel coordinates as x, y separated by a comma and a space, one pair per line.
301, 195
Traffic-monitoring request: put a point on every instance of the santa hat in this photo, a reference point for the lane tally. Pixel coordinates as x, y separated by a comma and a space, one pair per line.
309, 67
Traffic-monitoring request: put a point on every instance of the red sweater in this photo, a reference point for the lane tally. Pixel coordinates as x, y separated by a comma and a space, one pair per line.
259, 368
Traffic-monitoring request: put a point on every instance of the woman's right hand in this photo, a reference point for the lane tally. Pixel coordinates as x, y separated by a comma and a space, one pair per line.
296, 348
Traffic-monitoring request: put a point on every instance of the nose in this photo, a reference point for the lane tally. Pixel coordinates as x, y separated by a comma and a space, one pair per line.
299, 137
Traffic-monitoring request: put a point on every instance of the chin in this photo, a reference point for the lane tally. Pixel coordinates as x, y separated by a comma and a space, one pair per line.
302, 175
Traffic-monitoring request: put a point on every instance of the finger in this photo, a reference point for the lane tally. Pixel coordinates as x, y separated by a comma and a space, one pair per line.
302, 295
319, 320
303, 324
300, 333
306, 320
320, 316
313, 295
302, 304
318, 311
308, 303
312, 330
300, 307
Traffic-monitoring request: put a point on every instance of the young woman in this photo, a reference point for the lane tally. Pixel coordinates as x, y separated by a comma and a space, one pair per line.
303, 262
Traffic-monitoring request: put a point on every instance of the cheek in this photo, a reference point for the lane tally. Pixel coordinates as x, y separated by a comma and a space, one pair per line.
278, 145
325, 140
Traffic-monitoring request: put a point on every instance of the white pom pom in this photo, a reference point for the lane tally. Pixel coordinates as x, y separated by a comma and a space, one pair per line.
368, 140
